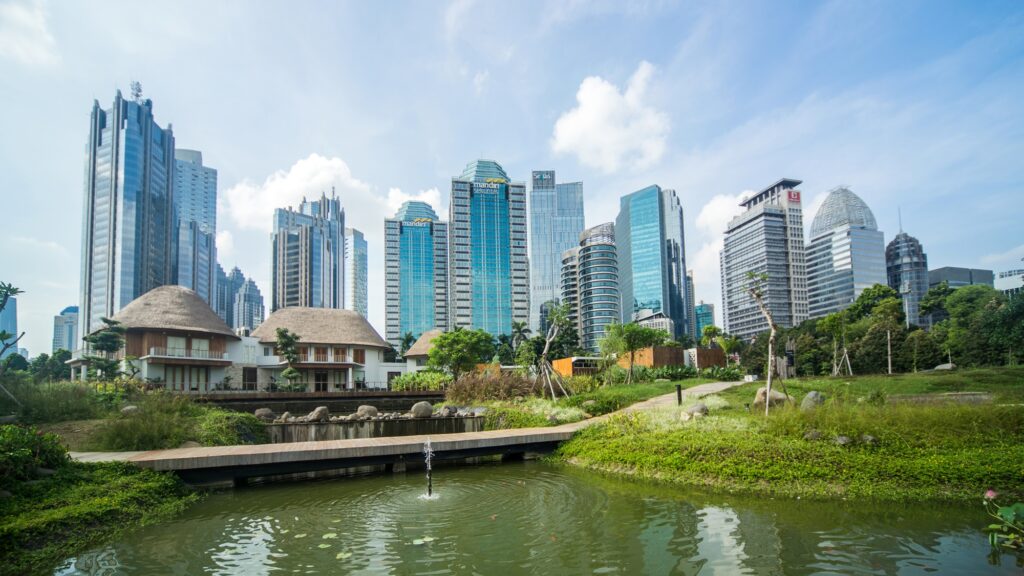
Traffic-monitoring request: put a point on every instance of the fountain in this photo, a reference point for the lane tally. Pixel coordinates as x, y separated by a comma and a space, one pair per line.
428, 455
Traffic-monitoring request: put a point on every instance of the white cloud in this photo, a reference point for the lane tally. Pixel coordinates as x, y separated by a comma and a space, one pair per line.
225, 244
609, 128
396, 198
37, 244
454, 17
714, 216
1010, 258
480, 81
24, 34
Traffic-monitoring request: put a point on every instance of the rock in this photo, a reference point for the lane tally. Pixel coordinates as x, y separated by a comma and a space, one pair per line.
777, 398
285, 417
843, 440
813, 435
12, 419
868, 440
291, 420
685, 417
698, 415
367, 410
265, 414
588, 403
129, 410
698, 408
422, 410
463, 413
45, 471
946, 366
319, 414
812, 400
190, 444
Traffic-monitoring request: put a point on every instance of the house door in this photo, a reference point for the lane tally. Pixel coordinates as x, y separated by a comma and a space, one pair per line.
320, 379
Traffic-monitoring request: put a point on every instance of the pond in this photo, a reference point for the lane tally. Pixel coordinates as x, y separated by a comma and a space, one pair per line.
537, 518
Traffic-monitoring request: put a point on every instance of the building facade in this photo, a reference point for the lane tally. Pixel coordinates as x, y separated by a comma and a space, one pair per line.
846, 253
705, 315
652, 257
9, 324
489, 265
195, 213
556, 221
958, 277
227, 288
65, 330
766, 238
906, 268
128, 208
355, 271
590, 284
691, 313
415, 272
309, 255
247, 307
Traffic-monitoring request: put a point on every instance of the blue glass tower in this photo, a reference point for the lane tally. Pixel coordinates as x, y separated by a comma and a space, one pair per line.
309, 255
416, 272
195, 211
128, 209
651, 254
556, 221
355, 271
65, 330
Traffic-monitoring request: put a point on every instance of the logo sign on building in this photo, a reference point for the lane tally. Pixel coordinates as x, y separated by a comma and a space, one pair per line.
794, 196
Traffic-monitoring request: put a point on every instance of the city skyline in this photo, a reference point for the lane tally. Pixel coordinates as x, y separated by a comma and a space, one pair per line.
932, 120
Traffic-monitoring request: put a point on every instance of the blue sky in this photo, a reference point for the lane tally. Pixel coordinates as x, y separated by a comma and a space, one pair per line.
918, 105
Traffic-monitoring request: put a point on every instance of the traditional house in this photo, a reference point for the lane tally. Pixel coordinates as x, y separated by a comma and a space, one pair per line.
417, 355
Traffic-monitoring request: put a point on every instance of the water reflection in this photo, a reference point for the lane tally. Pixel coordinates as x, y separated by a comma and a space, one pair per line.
533, 518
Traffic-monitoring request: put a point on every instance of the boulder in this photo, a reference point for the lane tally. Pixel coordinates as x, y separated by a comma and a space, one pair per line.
130, 410
698, 415
265, 414
698, 408
352, 417
685, 417
777, 398
813, 435
319, 414
843, 440
868, 440
449, 411
422, 410
284, 417
946, 366
812, 400
367, 411
588, 404
190, 444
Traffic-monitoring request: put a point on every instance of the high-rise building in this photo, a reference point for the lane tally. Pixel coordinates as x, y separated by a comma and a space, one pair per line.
590, 284
652, 257
846, 253
958, 277
489, 266
195, 211
355, 271
691, 314
906, 267
65, 330
128, 208
309, 255
415, 272
705, 314
9, 324
556, 221
247, 308
227, 288
767, 238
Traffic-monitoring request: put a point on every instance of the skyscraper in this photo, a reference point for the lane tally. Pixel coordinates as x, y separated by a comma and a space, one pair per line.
195, 210
9, 324
128, 209
309, 255
415, 273
705, 314
355, 271
556, 221
247, 308
906, 266
489, 267
227, 288
846, 253
957, 277
652, 257
65, 330
590, 284
767, 238
691, 314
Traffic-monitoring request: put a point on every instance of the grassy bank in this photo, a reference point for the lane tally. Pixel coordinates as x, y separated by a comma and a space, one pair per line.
948, 452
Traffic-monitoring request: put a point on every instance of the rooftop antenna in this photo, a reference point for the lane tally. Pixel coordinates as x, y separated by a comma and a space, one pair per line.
899, 214
136, 88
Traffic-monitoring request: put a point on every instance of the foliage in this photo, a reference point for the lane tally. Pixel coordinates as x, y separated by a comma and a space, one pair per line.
47, 368
722, 373
287, 346
8, 341
460, 350
421, 380
81, 507
215, 427
582, 384
108, 341
627, 339
520, 333
530, 413
291, 375
1008, 529
871, 297
406, 342
15, 362
58, 401
611, 398
482, 387
22, 450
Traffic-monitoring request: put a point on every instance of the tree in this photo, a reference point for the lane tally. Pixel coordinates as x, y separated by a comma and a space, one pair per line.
868, 299
934, 301
558, 321
287, 346
727, 343
406, 342
709, 335
835, 325
756, 290
628, 338
108, 341
504, 351
16, 362
7, 341
58, 368
460, 351
520, 332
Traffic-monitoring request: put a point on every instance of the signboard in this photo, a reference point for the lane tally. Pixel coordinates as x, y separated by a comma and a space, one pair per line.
794, 196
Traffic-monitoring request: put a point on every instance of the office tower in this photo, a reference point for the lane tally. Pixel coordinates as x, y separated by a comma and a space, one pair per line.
227, 288
652, 257
128, 209
590, 284
691, 314
247, 307
958, 277
355, 271
195, 210
906, 267
65, 330
415, 272
9, 324
846, 253
705, 314
767, 238
489, 267
309, 255
556, 221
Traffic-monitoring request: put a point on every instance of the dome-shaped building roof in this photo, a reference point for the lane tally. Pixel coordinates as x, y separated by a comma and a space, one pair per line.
333, 326
172, 308
842, 207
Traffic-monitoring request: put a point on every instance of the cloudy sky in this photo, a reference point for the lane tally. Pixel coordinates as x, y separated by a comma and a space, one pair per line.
917, 105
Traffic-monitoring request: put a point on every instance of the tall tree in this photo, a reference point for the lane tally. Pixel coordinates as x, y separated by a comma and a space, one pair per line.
108, 341
287, 346
868, 299
728, 344
756, 290
7, 341
558, 321
406, 342
459, 351
709, 335
628, 339
520, 332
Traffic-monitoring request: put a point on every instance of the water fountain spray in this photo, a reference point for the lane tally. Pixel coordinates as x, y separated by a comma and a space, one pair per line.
428, 455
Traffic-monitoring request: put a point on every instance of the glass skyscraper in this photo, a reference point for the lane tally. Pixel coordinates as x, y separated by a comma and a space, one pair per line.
195, 210
590, 284
489, 270
128, 209
9, 324
355, 271
309, 255
65, 330
846, 253
247, 308
227, 287
705, 315
556, 221
415, 273
652, 256
906, 268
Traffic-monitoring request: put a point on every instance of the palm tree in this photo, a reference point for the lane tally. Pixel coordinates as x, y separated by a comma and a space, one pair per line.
728, 344
710, 334
520, 332
406, 342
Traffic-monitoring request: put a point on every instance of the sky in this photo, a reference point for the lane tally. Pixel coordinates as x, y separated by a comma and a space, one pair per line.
917, 106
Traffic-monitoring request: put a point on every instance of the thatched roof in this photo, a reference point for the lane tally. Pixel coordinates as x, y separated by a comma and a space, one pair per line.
172, 308
422, 346
321, 326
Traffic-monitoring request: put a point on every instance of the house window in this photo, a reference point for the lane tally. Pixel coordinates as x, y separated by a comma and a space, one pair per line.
175, 346
359, 356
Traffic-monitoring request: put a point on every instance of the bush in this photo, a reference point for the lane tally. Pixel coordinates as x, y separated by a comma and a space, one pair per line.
218, 427
421, 380
58, 401
22, 450
472, 388
672, 372
723, 373
582, 384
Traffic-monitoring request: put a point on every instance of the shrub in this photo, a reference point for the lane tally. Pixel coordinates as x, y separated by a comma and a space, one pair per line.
421, 380
57, 402
723, 373
470, 388
673, 372
216, 427
22, 450
582, 384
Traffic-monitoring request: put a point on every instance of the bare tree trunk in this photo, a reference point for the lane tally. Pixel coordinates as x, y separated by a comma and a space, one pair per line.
7, 346
888, 346
771, 349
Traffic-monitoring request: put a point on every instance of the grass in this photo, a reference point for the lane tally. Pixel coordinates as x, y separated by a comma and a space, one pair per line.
58, 401
922, 452
81, 506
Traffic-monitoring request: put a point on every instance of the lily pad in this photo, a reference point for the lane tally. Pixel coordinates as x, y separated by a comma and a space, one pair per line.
322, 546
428, 538
342, 555
418, 542
330, 535
301, 535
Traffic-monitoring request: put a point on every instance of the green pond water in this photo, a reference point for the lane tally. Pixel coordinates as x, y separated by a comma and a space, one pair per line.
536, 518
